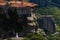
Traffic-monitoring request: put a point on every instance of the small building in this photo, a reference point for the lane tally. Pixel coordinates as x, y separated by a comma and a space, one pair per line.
47, 23
22, 15
19, 16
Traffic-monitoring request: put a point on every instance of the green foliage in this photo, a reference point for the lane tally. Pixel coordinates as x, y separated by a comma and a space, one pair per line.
35, 36
53, 37
58, 28
50, 10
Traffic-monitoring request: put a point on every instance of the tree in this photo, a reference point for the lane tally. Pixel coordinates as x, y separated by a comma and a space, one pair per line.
35, 36
50, 10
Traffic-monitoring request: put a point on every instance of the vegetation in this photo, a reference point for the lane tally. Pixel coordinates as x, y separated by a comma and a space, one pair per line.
57, 28
35, 36
51, 10
53, 37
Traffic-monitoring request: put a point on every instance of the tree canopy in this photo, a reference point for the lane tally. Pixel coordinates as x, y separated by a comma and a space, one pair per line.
50, 10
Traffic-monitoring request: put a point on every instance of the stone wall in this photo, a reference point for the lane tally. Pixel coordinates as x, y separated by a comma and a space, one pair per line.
47, 23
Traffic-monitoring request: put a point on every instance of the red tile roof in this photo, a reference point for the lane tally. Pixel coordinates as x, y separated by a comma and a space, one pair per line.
2, 3
20, 4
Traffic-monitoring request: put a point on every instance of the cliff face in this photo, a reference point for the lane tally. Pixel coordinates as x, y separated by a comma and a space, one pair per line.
40, 2
46, 2
56, 1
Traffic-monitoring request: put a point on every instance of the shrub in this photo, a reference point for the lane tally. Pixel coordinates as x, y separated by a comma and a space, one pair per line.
35, 36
